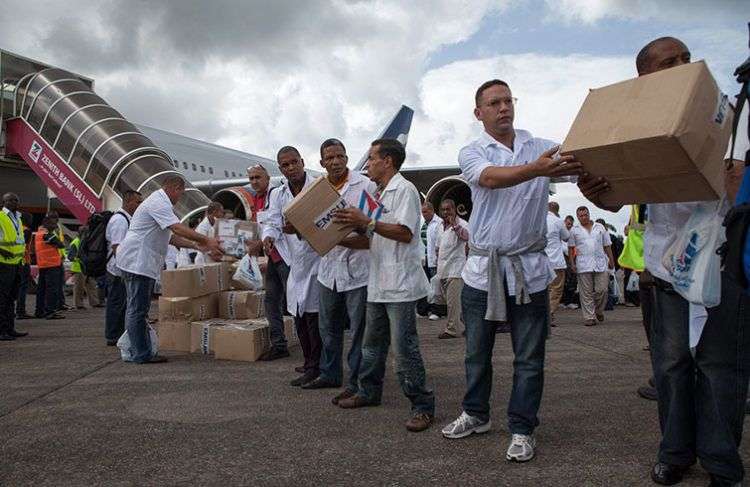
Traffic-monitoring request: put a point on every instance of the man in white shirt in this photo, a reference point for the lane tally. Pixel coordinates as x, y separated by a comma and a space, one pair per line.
302, 282
701, 391
395, 283
342, 282
428, 235
206, 227
556, 249
507, 272
140, 256
591, 257
450, 247
117, 228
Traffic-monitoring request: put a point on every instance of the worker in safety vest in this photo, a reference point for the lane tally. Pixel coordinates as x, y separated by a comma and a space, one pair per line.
11, 258
47, 243
83, 285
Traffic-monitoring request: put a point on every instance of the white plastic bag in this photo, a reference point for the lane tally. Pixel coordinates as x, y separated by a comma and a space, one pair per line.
248, 273
435, 291
692, 262
633, 282
124, 344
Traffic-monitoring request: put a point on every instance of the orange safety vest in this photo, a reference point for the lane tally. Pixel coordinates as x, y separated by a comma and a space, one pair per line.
46, 255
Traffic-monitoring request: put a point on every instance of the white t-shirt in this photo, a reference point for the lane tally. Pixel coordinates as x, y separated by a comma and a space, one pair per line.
343, 268
396, 274
590, 254
556, 235
508, 218
204, 228
451, 251
117, 227
144, 247
433, 228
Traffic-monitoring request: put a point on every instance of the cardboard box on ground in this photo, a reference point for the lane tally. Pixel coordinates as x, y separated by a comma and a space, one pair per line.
311, 213
195, 280
234, 233
659, 138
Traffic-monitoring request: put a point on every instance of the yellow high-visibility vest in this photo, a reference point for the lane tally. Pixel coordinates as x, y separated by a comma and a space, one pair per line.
9, 242
632, 253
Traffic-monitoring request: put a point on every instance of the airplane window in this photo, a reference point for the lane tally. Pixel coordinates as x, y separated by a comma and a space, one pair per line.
226, 173
210, 170
194, 168
203, 168
185, 164
233, 174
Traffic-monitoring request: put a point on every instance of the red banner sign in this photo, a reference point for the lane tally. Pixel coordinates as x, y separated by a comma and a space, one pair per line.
69, 188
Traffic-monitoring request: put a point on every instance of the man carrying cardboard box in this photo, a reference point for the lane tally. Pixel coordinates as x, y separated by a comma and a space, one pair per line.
342, 280
701, 397
140, 257
206, 227
507, 271
301, 284
395, 283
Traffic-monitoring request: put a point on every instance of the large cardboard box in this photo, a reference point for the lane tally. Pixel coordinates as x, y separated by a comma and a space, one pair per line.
234, 233
173, 335
189, 309
241, 341
311, 213
227, 271
202, 335
191, 281
659, 138
241, 304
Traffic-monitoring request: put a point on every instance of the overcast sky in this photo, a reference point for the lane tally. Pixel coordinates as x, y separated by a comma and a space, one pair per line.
256, 75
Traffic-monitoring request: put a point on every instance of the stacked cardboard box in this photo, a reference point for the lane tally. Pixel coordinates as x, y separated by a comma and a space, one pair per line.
194, 280
241, 304
243, 340
234, 233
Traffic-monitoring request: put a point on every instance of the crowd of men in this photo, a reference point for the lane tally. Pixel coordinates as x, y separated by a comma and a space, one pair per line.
506, 269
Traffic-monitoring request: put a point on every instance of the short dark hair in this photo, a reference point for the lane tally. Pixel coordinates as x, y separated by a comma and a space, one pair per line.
391, 148
582, 208
129, 194
642, 59
569, 217
213, 206
286, 149
485, 85
174, 180
331, 143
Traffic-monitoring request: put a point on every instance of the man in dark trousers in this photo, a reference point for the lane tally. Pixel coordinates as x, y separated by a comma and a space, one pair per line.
12, 250
47, 245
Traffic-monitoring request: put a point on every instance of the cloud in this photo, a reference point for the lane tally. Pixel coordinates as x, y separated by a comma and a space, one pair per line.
684, 11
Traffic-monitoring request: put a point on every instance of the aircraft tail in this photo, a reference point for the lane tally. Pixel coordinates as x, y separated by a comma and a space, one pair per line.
398, 128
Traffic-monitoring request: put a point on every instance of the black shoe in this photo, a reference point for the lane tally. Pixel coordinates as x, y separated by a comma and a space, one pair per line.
17, 334
648, 392
300, 369
717, 481
666, 474
6, 338
304, 379
23, 316
156, 359
273, 354
54, 316
446, 336
503, 328
320, 383
111, 343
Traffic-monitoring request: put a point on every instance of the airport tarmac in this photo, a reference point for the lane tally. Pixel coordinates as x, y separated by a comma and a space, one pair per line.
71, 413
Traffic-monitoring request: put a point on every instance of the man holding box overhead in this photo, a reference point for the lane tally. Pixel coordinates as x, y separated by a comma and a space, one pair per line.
395, 283
342, 281
302, 281
507, 272
701, 392
140, 257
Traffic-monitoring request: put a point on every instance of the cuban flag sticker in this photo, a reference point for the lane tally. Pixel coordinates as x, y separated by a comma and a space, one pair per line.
370, 206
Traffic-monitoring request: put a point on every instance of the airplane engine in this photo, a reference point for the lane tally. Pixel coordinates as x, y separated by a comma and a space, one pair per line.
454, 188
235, 199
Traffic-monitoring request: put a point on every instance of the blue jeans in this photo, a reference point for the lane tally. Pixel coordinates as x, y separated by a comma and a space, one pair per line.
114, 324
702, 396
528, 332
275, 302
397, 323
334, 309
139, 290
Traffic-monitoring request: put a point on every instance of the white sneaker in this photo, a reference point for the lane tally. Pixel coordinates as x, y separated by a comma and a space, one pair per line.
572, 306
466, 425
433, 317
521, 448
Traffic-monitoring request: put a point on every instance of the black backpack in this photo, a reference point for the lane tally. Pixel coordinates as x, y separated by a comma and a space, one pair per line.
92, 252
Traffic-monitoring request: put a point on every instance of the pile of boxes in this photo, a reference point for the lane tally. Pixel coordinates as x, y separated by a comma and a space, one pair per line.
200, 312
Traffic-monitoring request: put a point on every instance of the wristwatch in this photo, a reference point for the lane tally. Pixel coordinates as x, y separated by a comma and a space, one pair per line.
370, 231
